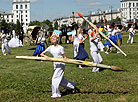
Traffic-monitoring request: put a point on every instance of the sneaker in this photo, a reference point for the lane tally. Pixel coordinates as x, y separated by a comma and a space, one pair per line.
55, 96
75, 90
80, 66
118, 51
106, 52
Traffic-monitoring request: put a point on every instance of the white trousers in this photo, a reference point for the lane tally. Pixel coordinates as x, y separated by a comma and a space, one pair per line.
58, 80
5, 45
96, 59
100, 46
130, 38
76, 47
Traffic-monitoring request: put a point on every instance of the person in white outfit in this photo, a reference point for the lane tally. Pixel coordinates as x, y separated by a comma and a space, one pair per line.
76, 42
131, 34
15, 42
57, 51
4, 43
94, 49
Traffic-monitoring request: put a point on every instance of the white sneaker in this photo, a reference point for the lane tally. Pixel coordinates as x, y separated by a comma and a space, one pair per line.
118, 51
55, 96
106, 52
80, 66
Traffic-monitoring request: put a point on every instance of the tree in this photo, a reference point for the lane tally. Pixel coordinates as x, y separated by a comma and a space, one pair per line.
32, 23
4, 25
95, 22
18, 27
56, 25
84, 23
63, 26
49, 24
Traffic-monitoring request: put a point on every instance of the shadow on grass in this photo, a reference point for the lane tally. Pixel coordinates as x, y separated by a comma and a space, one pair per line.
92, 92
32, 49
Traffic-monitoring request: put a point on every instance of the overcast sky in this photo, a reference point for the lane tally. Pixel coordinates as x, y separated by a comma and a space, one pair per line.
51, 9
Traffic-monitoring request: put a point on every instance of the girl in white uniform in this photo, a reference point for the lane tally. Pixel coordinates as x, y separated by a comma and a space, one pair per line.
76, 42
94, 50
131, 34
57, 51
5, 43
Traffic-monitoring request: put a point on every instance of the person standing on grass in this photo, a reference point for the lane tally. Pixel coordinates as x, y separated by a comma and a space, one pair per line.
93, 39
4, 43
57, 51
41, 44
82, 54
76, 41
131, 34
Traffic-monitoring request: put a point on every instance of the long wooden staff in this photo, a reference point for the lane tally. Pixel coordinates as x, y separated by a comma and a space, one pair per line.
71, 61
94, 26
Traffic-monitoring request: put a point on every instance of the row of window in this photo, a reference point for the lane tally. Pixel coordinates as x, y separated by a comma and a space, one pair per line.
129, 5
21, 7
22, 11
21, 16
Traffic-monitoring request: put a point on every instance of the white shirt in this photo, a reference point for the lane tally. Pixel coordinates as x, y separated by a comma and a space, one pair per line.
56, 52
42, 39
93, 44
131, 30
114, 32
76, 39
80, 37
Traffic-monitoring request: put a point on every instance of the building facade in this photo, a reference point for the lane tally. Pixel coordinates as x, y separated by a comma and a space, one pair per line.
129, 10
20, 11
108, 15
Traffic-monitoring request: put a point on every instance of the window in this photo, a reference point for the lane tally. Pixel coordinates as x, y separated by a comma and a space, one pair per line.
129, 4
16, 11
26, 11
17, 16
16, 6
7, 16
26, 20
21, 7
26, 15
25, 6
137, 4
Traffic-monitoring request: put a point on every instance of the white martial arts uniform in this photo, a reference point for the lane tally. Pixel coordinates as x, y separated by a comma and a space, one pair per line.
59, 68
131, 34
5, 44
75, 43
95, 53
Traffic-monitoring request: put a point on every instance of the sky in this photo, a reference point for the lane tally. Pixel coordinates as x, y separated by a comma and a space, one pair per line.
52, 9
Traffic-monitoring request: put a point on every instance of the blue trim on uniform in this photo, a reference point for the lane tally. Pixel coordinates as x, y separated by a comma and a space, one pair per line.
40, 48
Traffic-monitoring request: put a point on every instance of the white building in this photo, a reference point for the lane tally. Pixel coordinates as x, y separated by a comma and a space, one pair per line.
20, 11
109, 15
129, 10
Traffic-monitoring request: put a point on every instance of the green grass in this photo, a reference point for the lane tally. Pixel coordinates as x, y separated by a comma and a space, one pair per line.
30, 81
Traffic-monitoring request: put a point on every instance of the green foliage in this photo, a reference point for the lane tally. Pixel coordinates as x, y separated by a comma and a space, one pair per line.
30, 81
63, 26
95, 22
3, 25
32, 23
56, 25
18, 27
84, 23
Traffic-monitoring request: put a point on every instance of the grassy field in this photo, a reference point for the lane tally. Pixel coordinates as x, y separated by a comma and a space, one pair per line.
30, 81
